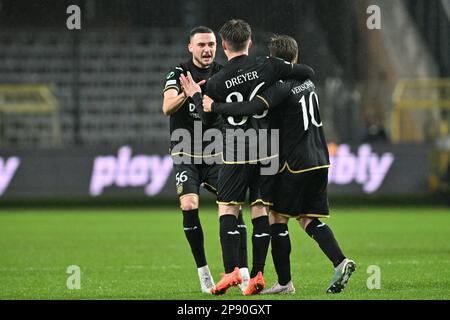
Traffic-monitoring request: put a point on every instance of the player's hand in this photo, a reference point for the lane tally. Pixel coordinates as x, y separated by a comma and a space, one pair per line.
190, 87
207, 103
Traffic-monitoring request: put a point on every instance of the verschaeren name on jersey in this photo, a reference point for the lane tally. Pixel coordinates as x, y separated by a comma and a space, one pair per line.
303, 87
240, 79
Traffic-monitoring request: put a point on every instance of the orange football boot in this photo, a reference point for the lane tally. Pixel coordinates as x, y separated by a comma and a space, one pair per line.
228, 280
255, 285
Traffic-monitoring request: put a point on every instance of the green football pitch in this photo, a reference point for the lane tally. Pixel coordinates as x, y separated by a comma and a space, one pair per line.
142, 254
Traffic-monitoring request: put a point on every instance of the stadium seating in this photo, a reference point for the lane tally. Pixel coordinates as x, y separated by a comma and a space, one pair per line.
119, 81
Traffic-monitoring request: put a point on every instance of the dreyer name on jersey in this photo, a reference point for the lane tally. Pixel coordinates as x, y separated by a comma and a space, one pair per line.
240, 79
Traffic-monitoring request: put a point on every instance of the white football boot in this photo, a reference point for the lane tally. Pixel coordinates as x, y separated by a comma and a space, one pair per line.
341, 275
279, 289
206, 279
245, 278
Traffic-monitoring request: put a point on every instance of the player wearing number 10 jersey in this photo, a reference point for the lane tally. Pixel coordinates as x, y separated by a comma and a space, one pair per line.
301, 185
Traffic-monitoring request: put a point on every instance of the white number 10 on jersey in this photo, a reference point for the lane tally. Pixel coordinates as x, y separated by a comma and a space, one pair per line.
311, 110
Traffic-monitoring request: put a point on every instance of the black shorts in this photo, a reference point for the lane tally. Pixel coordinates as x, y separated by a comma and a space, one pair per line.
236, 179
302, 194
189, 178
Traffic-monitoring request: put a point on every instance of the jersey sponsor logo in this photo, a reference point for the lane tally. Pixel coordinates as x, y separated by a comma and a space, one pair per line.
366, 168
193, 111
8, 168
125, 170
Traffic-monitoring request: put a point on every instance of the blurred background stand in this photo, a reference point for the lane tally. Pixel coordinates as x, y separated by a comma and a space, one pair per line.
33, 101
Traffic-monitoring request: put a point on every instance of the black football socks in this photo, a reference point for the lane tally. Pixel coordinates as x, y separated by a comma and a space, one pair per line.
242, 228
323, 235
194, 235
229, 240
260, 241
281, 250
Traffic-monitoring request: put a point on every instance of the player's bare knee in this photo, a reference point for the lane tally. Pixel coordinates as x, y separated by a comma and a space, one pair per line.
228, 209
304, 222
275, 217
258, 210
188, 203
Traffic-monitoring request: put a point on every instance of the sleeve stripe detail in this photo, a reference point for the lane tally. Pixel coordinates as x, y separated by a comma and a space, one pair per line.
171, 87
264, 100
171, 82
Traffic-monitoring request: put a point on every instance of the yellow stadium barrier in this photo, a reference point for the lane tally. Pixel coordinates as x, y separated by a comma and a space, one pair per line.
421, 113
30, 99
418, 104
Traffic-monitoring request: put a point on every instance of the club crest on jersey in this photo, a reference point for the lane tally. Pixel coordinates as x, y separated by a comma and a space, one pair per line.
180, 189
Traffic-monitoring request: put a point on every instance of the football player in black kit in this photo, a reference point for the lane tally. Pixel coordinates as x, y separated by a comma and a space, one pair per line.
301, 185
192, 173
240, 80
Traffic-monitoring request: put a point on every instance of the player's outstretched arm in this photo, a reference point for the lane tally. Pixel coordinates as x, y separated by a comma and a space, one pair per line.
270, 98
174, 97
172, 101
247, 108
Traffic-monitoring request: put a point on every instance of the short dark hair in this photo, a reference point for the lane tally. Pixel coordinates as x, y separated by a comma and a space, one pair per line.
199, 29
284, 47
236, 33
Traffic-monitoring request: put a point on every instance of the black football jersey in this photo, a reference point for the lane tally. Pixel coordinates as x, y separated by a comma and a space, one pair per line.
294, 110
187, 114
241, 79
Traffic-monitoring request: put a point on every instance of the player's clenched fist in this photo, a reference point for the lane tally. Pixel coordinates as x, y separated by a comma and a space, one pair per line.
207, 103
